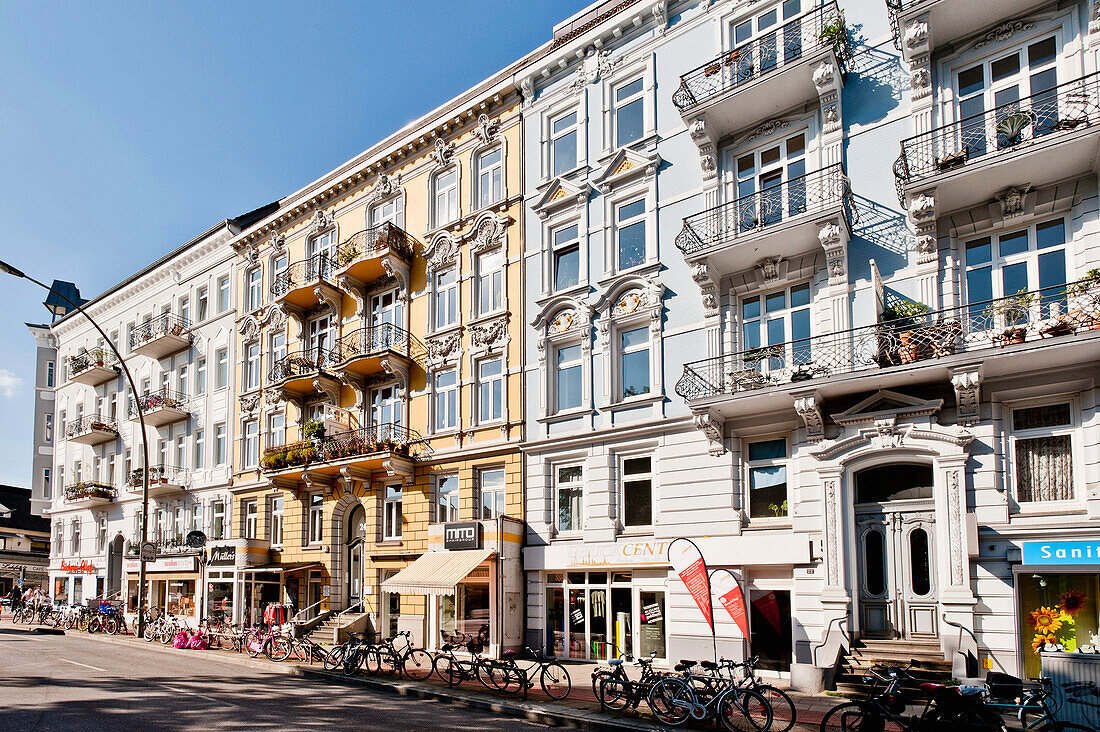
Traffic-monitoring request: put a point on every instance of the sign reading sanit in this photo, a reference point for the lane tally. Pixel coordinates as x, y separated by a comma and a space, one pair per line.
1062, 552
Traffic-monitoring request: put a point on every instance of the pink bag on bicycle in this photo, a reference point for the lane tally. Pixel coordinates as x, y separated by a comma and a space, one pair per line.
181, 640
255, 643
198, 642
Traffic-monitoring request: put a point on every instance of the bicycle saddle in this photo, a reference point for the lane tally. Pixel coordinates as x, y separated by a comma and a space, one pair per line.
615, 662
446, 647
711, 665
687, 663
680, 667
508, 655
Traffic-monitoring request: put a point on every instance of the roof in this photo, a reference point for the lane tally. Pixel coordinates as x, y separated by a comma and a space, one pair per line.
18, 501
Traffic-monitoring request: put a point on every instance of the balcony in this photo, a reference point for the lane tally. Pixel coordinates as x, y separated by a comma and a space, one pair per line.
766, 76
93, 367
377, 447
377, 349
1046, 137
163, 479
162, 336
173, 546
160, 407
306, 372
88, 494
307, 283
1043, 329
949, 20
92, 430
364, 257
780, 221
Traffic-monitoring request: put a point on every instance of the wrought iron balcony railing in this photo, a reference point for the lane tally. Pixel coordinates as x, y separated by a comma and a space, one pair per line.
163, 325
95, 357
373, 241
386, 437
88, 424
1061, 110
1040, 314
798, 37
376, 339
160, 399
749, 214
159, 475
304, 363
318, 267
90, 489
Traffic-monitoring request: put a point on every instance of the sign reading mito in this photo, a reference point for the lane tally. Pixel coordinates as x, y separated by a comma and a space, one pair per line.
462, 535
1062, 552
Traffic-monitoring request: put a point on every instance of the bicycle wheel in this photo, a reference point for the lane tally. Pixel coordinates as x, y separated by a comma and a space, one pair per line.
614, 693
110, 626
597, 676
253, 645
277, 648
972, 717
418, 664
334, 659
744, 711
671, 700
372, 660
783, 712
509, 679
486, 672
150, 633
443, 667
82, 625
554, 680
388, 662
352, 661
853, 717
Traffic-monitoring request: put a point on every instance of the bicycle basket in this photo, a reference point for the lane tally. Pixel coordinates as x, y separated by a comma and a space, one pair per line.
1003, 686
894, 702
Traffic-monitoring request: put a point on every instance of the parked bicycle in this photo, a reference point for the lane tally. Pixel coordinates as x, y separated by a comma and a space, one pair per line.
553, 677
676, 699
616, 691
415, 663
784, 714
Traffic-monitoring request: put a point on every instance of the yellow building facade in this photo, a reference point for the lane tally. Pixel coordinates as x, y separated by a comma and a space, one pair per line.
377, 472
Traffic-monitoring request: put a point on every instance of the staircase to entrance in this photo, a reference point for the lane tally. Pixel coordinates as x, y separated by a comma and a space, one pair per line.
865, 653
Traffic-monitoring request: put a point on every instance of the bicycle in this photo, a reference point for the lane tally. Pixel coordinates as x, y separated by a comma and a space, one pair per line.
783, 709
494, 675
676, 699
616, 691
350, 656
553, 676
415, 663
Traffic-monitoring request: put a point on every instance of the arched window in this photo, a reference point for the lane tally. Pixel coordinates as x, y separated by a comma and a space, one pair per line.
895, 482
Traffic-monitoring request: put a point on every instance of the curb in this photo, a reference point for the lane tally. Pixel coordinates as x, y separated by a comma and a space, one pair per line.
548, 714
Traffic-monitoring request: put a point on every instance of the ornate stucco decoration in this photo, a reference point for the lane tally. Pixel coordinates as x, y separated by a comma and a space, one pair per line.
967, 382
712, 429
703, 277
627, 165
560, 194
249, 328
922, 212
329, 387
322, 221
922, 208
443, 152
594, 65
1094, 17
701, 135
769, 269
824, 75
441, 252
1012, 200
278, 241
1003, 32
250, 402
563, 322
273, 397
768, 128
563, 318
487, 233
916, 34
355, 289
491, 335
808, 407
442, 349
384, 187
487, 129
527, 89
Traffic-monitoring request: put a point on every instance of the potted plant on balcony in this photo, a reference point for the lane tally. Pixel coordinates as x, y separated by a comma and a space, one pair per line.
902, 317
1084, 297
712, 68
102, 427
273, 460
1015, 311
314, 431
835, 33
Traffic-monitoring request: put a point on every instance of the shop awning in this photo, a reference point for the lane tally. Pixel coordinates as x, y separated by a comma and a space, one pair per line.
280, 567
436, 573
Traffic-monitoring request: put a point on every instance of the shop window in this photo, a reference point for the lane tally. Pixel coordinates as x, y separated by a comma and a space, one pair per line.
181, 597
391, 515
567, 257
637, 491
629, 112
316, 517
894, 482
570, 497
630, 234
492, 493
651, 629
1061, 609
391, 606
770, 624
1042, 443
768, 495
446, 498
464, 617
563, 143
61, 591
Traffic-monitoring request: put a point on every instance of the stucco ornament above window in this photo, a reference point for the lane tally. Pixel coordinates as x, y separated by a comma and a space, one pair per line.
322, 221
594, 65
385, 187
441, 252
443, 152
560, 194
487, 129
627, 165
487, 233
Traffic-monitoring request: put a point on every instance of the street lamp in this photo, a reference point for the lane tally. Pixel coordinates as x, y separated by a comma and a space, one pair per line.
6, 268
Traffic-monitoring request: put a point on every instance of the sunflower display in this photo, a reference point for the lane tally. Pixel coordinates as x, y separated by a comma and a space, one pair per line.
1040, 640
1072, 602
1046, 620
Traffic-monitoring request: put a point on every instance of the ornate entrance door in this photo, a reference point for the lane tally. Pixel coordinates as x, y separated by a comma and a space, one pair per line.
357, 528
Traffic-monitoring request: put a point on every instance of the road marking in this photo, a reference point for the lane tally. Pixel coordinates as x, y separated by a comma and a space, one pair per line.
77, 663
201, 696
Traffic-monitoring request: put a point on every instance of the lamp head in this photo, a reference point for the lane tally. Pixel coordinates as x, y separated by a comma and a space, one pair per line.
8, 269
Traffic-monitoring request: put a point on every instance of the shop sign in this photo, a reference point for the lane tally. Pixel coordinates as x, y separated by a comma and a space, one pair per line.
652, 613
81, 567
164, 564
1062, 552
616, 554
687, 561
221, 556
462, 535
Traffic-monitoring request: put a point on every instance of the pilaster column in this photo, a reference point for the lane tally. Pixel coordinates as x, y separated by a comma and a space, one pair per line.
832, 507
922, 213
916, 47
712, 322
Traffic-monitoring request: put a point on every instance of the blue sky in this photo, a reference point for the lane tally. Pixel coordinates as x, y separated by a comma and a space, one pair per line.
128, 128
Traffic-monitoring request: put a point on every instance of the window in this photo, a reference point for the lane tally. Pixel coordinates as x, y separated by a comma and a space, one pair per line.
568, 386
445, 196
255, 288
50, 369
1004, 265
277, 347
767, 466
775, 328
391, 513
387, 211
446, 298
57, 529
223, 294
74, 537
637, 491
200, 449
218, 526
196, 516
47, 487
185, 310
492, 493
101, 534
276, 425
181, 380
181, 451
61, 421
490, 175
567, 257
250, 517
630, 234
129, 337
490, 390
760, 179
219, 445
446, 400
446, 498
629, 113
634, 362
1042, 443
570, 497
202, 299
221, 368
490, 281
252, 366
563, 144
111, 474
251, 443
316, 517
47, 435
276, 520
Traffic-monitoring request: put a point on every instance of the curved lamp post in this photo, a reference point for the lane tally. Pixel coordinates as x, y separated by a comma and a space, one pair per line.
6, 268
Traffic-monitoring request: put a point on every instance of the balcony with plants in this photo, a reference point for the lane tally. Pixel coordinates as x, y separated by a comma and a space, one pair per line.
372, 253
947, 21
376, 349
89, 493
160, 407
1050, 136
162, 336
386, 446
307, 283
765, 76
92, 430
163, 479
910, 339
306, 372
93, 367
731, 235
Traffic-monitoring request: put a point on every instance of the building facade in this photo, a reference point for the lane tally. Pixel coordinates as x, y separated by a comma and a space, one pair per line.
24, 542
42, 443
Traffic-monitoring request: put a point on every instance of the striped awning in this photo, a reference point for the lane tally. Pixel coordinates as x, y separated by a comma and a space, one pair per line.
436, 573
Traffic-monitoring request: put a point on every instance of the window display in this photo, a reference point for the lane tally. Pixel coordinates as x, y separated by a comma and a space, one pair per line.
1057, 612
465, 616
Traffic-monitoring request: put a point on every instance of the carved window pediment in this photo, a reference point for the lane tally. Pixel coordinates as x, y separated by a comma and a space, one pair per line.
627, 165
560, 194
441, 252
487, 233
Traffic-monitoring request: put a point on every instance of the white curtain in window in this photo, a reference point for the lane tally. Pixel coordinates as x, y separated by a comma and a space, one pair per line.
1044, 469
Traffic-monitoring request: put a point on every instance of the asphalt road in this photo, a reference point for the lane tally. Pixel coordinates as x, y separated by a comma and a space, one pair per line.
71, 682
